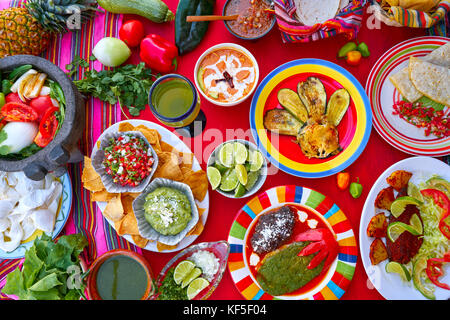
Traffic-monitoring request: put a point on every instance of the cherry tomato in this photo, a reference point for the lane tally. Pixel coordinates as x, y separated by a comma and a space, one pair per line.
12, 97
18, 111
132, 32
41, 105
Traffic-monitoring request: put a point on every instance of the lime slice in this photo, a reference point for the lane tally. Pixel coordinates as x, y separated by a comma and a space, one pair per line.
395, 229
182, 270
418, 274
194, 274
229, 181
395, 267
252, 179
240, 191
398, 206
222, 169
414, 192
416, 224
214, 177
438, 182
226, 155
240, 153
196, 286
256, 160
241, 174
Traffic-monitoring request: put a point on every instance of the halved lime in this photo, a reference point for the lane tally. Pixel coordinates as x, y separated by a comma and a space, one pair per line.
214, 177
252, 179
241, 173
229, 181
240, 153
196, 286
419, 275
395, 229
194, 274
182, 270
395, 267
398, 206
226, 155
256, 160
414, 192
239, 191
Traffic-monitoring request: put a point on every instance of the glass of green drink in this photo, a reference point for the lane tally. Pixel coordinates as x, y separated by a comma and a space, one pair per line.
175, 102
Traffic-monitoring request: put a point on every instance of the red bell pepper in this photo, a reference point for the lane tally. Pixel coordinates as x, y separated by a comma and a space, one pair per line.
326, 246
435, 270
441, 200
158, 53
18, 111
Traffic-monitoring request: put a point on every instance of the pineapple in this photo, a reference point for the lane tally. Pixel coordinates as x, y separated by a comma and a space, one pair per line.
29, 30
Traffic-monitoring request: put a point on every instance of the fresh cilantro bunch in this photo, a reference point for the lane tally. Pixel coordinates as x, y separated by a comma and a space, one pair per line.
129, 84
48, 270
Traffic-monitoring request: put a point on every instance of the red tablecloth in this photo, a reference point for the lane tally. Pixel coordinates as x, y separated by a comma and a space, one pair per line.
271, 52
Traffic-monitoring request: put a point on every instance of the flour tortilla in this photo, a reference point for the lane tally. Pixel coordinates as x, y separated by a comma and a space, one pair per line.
311, 12
401, 80
431, 80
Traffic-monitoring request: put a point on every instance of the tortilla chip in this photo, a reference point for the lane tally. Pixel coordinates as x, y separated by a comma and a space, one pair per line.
114, 209
198, 182
127, 203
102, 196
163, 247
165, 147
134, 195
94, 185
139, 241
169, 169
89, 172
127, 225
196, 230
126, 126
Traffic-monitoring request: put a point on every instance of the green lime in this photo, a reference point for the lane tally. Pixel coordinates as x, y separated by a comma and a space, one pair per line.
418, 274
440, 183
416, 224
196, 286
239, 191
2, 99
226, 155
214, 177
240, 153
241, 173
398, 206
414, 192
182, 270
252, 179
395, 267
395, 229
256, 160
229, 181
194, 274
222, 169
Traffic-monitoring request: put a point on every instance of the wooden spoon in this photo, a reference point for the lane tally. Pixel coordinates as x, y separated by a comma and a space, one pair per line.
210, 18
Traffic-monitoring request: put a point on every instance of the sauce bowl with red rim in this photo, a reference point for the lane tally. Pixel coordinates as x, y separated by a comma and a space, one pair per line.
234, 85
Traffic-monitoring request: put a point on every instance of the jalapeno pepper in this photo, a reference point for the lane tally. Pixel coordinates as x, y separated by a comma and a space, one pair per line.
435, 270
442, 201
159, 53
18, 111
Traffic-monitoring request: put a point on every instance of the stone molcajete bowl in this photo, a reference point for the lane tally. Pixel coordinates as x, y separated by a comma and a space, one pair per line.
63, 148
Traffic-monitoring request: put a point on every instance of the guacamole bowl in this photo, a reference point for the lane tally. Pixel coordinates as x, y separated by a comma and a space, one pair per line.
150, 232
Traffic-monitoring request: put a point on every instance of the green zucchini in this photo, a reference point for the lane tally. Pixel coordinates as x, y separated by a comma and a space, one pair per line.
313, 95
337, 106
188, 35
282, 122
154, 10
290, 100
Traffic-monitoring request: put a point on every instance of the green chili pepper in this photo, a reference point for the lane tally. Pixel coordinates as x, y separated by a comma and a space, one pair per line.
349, 46
364, 49
6, 86
2, 99
356, 189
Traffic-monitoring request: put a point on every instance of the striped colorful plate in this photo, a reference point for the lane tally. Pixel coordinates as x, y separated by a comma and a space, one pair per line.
340, 274
382, 95
282, 151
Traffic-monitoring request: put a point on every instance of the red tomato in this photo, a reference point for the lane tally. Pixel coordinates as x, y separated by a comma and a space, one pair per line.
41, 104
12, 97
132, 32
18, 111
49, 123
41, 141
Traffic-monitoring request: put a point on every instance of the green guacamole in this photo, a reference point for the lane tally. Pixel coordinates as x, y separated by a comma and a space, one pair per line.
168, 210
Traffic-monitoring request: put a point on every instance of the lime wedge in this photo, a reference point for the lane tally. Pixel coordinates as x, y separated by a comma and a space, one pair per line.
440, 183
395, 267
395, 229
398, 206
196, 286
252, 179
229, 181
418, 275
241, 174
182, 270
256, 160
226, 155
194, 274
414, 192
240, 191
240, 153
222, 169
214, 177
416, 224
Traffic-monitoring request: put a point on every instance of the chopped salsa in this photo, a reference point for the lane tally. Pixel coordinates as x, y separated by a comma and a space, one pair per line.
128, 160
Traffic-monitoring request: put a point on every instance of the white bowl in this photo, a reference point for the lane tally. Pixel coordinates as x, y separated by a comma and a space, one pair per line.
263, 171
222, 46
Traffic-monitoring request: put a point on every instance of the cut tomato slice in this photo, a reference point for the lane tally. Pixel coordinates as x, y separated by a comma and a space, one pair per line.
18, 111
